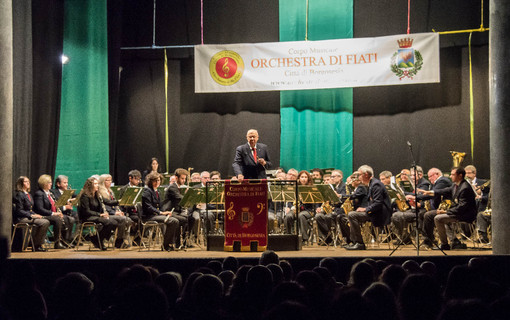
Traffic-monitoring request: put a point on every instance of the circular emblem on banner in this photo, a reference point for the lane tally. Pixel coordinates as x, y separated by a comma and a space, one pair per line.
226, 67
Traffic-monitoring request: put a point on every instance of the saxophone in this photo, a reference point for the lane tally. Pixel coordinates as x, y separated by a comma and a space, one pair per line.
401, 203
445, 205
347, 206
488, 209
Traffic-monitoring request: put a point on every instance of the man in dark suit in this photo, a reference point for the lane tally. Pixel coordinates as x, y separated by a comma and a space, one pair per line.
62, 184
378, 210
173, 197
463, 207
252, 159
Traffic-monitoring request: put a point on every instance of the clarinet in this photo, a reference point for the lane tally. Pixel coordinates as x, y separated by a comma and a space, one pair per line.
102, 203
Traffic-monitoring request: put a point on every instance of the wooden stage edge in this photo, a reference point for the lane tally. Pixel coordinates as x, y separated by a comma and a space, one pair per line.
197, 253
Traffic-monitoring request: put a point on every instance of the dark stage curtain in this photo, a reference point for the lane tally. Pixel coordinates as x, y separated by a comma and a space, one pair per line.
38, 46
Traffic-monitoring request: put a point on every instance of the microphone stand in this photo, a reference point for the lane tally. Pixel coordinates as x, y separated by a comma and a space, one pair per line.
413, 165
415, 198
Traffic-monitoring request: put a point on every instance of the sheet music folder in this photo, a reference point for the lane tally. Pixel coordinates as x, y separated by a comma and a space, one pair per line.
131, 196
64, 198
282, 193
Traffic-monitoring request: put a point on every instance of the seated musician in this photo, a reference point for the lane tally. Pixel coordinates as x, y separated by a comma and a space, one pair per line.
317, 174
195, 177
307, 210
289, 216
123, 222
275, 210
482, 188
151, 204
378, 210
62, 184
24, 213
44, 204
401, 219
339, 215
172, 198
438, 182
199, 210
134, 177
463, 207
91, 208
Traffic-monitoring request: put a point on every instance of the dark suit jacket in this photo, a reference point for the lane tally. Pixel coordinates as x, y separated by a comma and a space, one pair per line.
245, 164
379, 205
359, 197
89, 207
482, 203
172, 198
463, 201
441, 183
42, 204
151, 203
24, 206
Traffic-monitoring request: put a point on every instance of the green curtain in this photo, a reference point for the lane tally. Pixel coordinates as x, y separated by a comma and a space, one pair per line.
83, 143
316, 125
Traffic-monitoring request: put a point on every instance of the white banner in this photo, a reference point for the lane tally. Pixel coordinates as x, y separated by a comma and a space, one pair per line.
299, 65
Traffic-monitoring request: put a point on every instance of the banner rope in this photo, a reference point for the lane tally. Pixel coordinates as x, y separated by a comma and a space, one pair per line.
306, 21
408, 16
167, 146
202, 21
471, 102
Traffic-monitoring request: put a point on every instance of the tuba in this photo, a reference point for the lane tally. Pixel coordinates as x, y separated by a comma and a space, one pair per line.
458, 157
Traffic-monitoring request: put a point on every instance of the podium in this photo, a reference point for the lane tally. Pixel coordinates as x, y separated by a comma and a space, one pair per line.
245, 216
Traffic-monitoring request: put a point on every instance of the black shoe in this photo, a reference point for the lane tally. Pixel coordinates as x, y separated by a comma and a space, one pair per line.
118, 243
443, 246
170, 248
357, 246
349, 244
59, 245
40, 249
458, 245
96, 242
428, 243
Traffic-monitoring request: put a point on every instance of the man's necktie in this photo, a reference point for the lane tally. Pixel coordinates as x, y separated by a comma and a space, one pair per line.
254, 154
53, 208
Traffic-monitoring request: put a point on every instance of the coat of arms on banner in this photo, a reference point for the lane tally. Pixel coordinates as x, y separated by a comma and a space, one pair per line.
226, 67
406, 62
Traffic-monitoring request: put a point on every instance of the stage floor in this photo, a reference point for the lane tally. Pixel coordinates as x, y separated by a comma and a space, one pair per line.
192, 253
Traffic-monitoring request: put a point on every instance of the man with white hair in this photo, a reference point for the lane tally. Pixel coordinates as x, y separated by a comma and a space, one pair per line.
252, 158
378, 210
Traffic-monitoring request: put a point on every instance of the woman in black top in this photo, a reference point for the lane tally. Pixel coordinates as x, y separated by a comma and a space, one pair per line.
23, 212
92, 209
